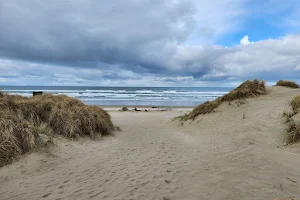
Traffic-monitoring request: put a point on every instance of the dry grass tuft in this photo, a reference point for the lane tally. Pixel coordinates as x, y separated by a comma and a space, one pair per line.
80, 121
290, 84
181, 119
293, 129
17, 137
295, 103
23, 119
245, 90
287, 115
207, 107
293, 132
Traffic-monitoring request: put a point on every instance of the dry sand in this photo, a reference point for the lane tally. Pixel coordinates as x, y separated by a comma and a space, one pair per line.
236, 153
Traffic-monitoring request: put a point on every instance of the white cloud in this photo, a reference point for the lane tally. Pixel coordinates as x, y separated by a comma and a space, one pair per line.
271, 60
245, 40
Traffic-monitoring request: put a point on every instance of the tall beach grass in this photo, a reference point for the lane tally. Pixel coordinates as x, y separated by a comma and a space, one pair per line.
293, 125
23, 119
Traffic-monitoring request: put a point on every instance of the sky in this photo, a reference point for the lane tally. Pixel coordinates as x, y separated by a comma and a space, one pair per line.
148, 42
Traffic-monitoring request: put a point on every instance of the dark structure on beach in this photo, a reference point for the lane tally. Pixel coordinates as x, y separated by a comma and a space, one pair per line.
37, 93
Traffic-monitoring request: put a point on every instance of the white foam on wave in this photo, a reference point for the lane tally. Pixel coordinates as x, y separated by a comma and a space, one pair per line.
22, 94
106, 91
170, 91
142, 95
144, 91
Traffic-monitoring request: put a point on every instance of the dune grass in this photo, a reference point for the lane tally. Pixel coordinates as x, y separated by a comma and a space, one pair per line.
22, 120
293, 132
293, 126
181, 118
295, 103
17, 137
207, 107
246, 90
290, 84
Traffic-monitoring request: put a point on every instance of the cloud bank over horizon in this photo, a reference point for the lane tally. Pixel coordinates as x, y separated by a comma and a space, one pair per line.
147, 43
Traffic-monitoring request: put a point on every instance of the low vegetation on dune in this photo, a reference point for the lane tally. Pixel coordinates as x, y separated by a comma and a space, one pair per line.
293, 132
17, 137
295, 103
207, 107
290, 84
24, 120
293, 124
245, 90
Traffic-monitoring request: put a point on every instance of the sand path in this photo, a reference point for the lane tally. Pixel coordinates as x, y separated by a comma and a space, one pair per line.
221, 156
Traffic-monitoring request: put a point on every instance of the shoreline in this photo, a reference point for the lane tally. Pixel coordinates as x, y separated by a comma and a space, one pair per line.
142, 106
127, 96
146, 109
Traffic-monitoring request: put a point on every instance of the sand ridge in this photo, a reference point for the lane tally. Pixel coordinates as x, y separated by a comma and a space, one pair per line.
217, 156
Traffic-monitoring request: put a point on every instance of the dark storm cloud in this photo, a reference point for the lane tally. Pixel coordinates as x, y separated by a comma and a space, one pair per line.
86, 33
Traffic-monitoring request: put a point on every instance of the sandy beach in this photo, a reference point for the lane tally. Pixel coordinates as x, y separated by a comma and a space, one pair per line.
235, 153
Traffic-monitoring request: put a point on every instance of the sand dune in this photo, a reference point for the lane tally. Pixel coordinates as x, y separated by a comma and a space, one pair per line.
235, 153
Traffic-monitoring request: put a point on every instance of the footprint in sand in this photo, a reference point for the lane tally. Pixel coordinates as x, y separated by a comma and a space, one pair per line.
46, 195
168, 181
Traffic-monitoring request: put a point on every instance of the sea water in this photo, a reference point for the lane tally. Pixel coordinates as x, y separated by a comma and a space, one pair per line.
128, 96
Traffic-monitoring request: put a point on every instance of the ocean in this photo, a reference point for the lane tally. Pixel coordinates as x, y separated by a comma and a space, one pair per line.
128, 96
